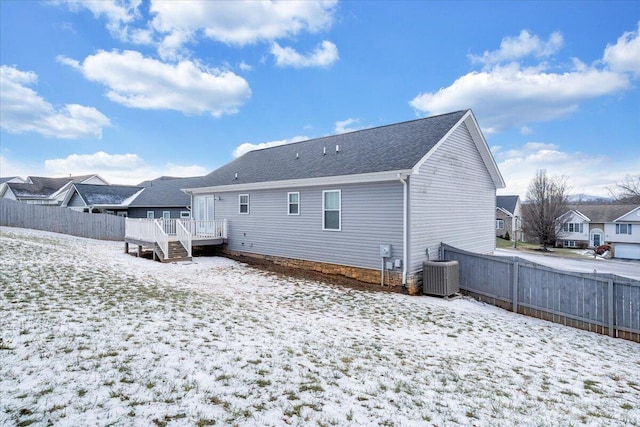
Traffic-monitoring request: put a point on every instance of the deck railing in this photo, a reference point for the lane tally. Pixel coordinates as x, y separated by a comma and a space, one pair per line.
206, 229
184, 236
139, 229
161, 238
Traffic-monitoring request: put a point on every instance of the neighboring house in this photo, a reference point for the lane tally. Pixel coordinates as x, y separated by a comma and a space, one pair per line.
330, 203
509, 217
45, 191
591, 225
109, 199
163, 198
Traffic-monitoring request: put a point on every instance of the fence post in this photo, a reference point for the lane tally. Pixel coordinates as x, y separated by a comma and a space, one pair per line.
611, 305
514, 303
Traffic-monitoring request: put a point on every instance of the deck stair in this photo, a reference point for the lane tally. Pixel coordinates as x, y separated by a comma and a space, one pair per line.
177, 252
173, 239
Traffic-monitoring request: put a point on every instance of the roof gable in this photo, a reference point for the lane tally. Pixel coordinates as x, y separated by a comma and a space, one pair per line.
633, 215
507, 203
601, 213
387, 148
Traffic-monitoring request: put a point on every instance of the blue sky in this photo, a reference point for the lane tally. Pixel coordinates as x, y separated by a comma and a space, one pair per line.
132, 90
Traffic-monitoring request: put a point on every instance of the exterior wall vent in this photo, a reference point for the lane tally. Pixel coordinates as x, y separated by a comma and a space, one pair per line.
236, 177
337, 148
324, 151
440, 278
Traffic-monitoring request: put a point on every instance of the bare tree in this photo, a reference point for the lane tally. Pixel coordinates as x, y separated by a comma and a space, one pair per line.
628, 191
546, 203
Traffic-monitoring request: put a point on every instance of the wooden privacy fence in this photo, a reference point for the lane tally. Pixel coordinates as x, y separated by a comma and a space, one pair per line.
603, 303
61, 220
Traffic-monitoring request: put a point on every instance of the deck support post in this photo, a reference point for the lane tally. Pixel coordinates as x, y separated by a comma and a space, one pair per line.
126, 247
139, 251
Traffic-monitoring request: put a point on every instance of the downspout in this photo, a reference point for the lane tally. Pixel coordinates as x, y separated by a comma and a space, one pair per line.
405, 239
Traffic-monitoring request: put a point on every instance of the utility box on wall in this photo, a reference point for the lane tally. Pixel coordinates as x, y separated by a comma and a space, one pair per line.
385, 251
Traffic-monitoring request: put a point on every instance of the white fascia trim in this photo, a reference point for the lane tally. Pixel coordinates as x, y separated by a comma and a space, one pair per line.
583, 216
506, 212
67, 198
305, 182
130, 199
628, 213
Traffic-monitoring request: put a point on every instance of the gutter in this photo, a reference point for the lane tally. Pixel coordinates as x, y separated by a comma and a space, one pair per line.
405, 228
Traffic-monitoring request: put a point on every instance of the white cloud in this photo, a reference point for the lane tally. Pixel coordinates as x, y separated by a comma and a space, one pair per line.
115, 168
23, 110
244, 66
139, 82
587, 174
510, 96
120, 16
324, 55
242, 23
506, 94
526, 44
344, 126
624, 56
246, 147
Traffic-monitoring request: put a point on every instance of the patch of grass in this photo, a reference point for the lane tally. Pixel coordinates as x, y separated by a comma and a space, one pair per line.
263, 383
626, 406
591, 386
310, 387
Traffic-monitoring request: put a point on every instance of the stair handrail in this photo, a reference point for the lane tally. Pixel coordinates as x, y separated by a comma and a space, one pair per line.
184, 236
161, 238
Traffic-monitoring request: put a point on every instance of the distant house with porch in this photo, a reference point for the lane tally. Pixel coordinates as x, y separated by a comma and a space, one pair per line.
591, 225
360, 203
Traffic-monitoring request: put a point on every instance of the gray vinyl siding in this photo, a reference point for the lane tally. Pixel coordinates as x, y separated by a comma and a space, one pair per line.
76, 201
371, 214
452, 200
142, 212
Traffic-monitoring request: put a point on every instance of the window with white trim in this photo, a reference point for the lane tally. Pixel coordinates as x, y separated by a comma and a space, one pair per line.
623, 228
570, 244
499, 224
185, 214
166, 215
293, 203
331, 210
150, 215
243, 204
573, 227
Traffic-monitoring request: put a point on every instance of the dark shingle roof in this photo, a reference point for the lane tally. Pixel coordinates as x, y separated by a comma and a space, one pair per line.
508, 203
603, 212
387, 148
95, 195
43, 187
166, 192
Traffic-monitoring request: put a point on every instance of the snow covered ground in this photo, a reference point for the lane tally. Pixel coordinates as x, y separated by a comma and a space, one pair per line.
91, 336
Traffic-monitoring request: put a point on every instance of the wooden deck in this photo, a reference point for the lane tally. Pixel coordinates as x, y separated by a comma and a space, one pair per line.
173, 240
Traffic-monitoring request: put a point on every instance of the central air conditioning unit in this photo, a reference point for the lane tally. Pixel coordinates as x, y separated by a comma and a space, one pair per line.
440, 278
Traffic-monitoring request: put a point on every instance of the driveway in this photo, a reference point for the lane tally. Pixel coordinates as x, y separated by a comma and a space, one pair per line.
629, 269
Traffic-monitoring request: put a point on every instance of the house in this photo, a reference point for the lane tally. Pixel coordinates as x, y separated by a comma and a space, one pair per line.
163, 198
93, 198
44, 190
509, 217
591, 225
371, 204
